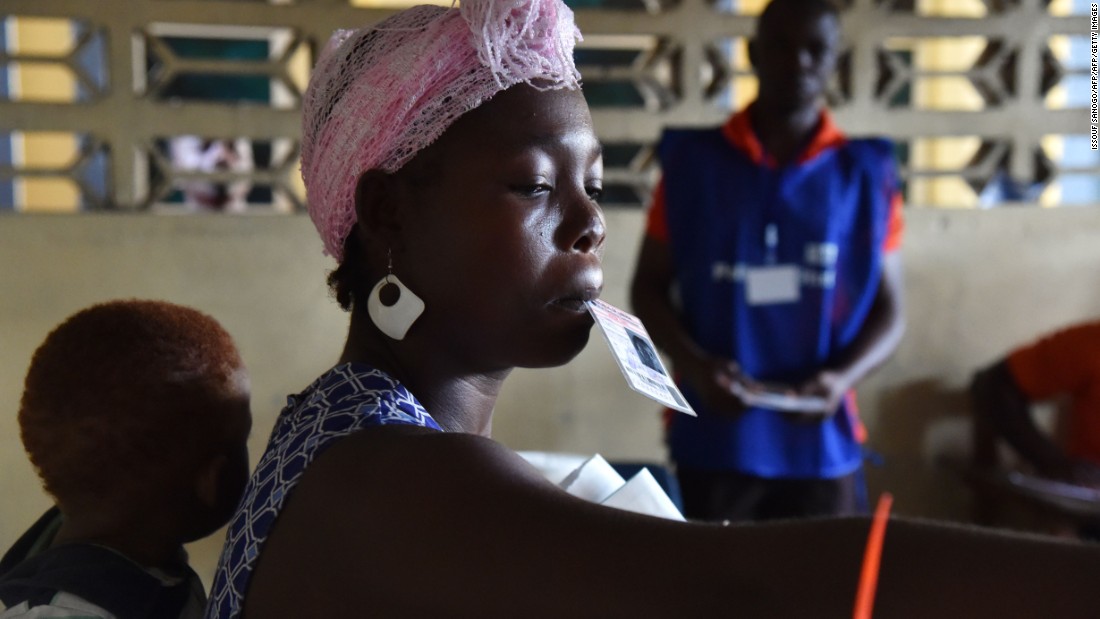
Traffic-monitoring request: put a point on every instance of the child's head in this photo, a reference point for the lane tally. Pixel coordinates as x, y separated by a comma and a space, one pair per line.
130, 402
381, 94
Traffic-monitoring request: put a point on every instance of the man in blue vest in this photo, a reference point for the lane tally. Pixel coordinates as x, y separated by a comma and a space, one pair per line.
769, 274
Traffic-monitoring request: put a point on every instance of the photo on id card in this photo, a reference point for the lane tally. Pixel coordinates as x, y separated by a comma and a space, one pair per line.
636, 356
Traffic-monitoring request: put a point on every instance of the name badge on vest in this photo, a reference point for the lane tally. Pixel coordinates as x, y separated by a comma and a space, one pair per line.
771, 285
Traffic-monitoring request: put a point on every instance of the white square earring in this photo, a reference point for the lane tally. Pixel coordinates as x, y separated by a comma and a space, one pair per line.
394, 319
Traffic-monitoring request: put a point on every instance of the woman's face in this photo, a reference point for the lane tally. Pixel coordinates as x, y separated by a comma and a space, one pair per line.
504, 237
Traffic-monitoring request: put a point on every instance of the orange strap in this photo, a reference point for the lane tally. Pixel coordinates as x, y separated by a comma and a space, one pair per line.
872, 557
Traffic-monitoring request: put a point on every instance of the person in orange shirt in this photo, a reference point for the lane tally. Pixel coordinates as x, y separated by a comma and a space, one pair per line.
1063, 364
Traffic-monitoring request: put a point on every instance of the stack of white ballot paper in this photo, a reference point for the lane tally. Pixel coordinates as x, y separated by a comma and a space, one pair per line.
596, 481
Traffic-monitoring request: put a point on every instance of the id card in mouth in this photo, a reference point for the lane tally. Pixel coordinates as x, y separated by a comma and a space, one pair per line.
637, 357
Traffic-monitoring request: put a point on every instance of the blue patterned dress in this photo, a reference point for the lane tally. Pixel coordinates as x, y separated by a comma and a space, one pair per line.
347, 398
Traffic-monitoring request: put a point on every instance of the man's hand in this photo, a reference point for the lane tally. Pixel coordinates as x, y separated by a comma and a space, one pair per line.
1073, 470
829, 385
1085, 473
713, 379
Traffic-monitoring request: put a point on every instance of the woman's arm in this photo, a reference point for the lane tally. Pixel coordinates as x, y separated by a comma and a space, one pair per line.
403, 522
1002, 410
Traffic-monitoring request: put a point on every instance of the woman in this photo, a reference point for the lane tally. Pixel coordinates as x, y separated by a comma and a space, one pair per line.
453, 172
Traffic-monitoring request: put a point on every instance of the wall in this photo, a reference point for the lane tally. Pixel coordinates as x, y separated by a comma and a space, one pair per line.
977, 283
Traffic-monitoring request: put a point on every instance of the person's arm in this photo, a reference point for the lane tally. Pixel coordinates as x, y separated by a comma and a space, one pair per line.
650, 297
393, 522
999, 405
877, 340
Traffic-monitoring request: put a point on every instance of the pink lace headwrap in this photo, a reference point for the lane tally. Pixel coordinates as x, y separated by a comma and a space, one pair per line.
380, 94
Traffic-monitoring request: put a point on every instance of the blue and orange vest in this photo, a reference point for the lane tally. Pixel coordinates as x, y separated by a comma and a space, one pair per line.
828, 215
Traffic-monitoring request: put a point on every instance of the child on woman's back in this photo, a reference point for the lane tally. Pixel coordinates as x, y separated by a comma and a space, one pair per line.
136, 416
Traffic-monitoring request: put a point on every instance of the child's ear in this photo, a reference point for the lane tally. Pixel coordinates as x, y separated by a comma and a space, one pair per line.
209, 480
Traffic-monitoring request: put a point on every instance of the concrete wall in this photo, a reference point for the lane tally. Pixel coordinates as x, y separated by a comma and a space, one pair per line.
978, 282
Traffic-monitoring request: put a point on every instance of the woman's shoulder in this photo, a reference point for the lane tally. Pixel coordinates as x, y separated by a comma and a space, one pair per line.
385, 452
382, 473
349, 381
373, 499
362, 394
